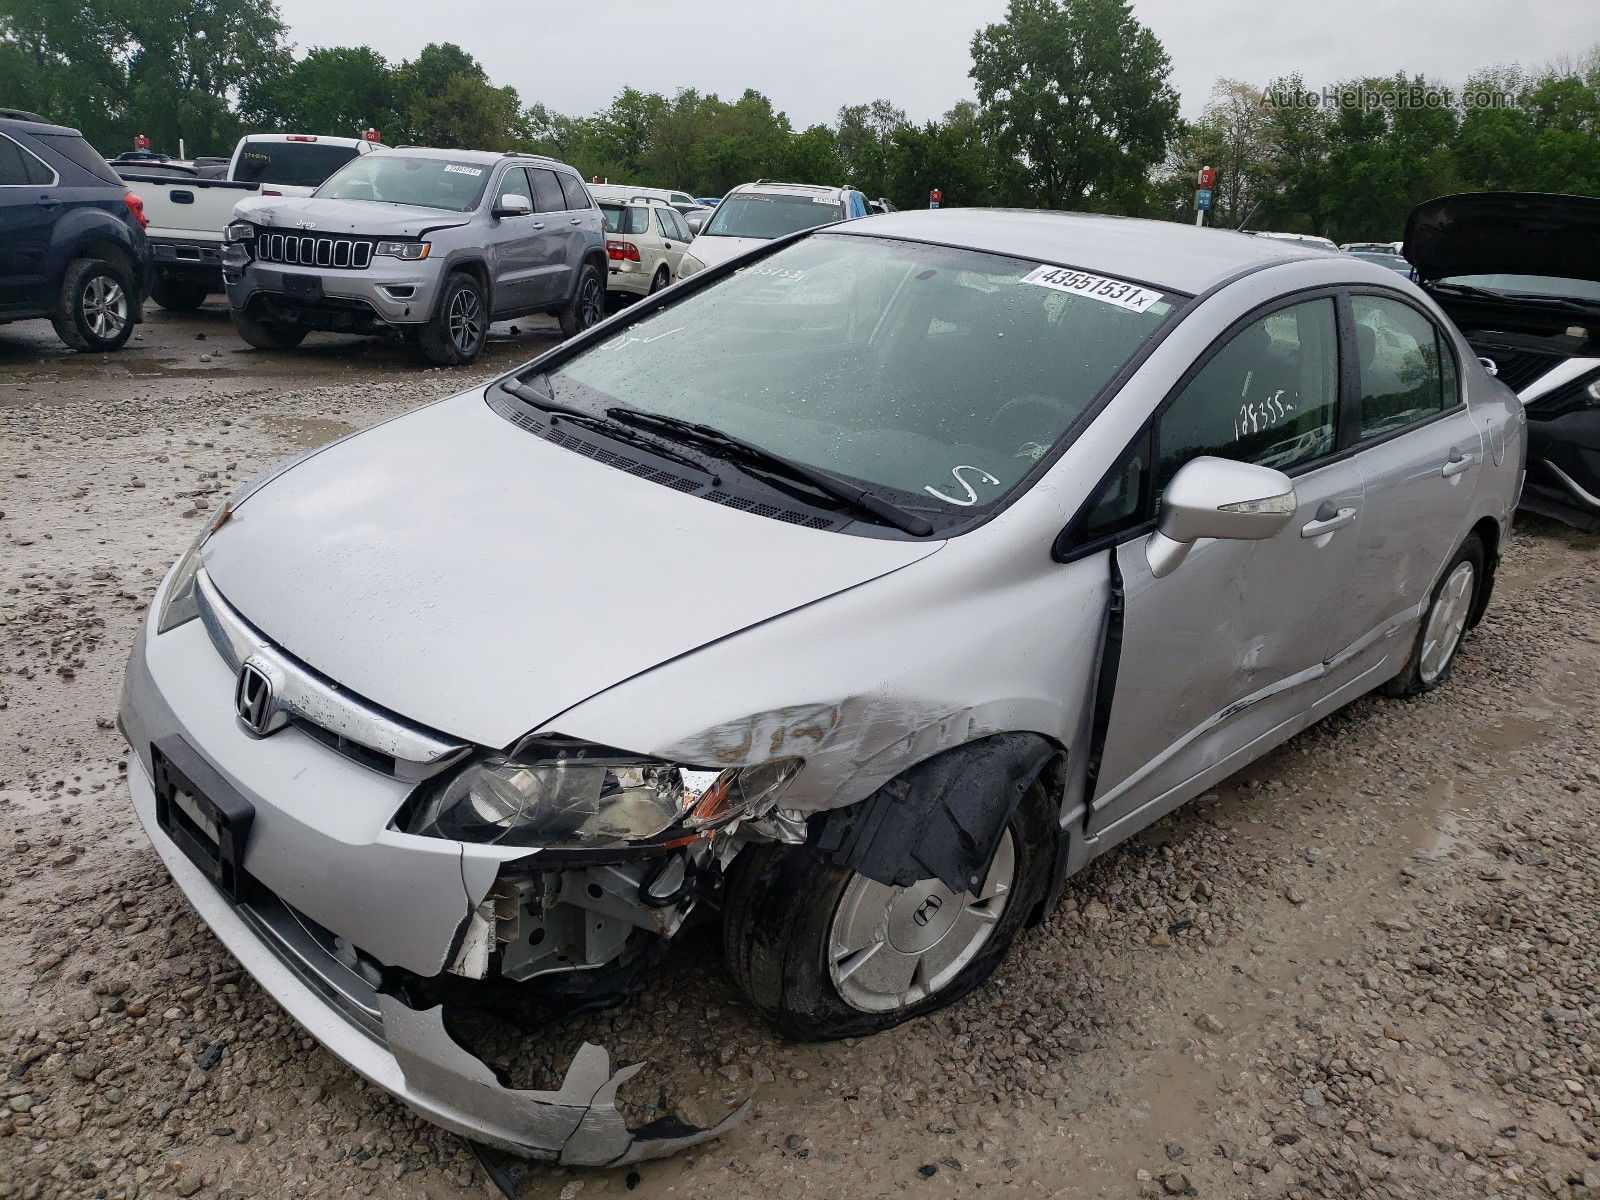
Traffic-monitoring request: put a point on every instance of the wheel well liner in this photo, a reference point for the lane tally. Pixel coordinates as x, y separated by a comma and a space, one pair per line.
943, 819
1488, 531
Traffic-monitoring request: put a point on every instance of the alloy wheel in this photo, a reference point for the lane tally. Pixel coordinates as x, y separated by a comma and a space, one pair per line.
591, 305
104, 306
890, 947
465, 320
1447, 622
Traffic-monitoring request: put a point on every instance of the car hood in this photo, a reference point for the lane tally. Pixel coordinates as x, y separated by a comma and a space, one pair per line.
1518, 233
714, 250
346, 216
477, 579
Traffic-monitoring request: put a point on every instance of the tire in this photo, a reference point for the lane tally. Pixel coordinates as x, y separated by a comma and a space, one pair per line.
267, 335
95, 306
460, 327
1444, 625
661, 280
588, 303
786, 956
178, 293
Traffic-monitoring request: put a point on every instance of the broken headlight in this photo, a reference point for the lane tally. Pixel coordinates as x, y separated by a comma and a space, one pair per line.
590, 802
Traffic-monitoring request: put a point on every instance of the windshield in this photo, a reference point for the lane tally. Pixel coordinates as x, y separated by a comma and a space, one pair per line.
937, 377
1531, 285
1393, 261
399, 179
296, 164
754, 215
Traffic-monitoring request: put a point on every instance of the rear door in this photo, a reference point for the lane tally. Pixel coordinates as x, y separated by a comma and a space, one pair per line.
557, 233
584, 226
1231, 644
29, 207
1421, 453
675, 237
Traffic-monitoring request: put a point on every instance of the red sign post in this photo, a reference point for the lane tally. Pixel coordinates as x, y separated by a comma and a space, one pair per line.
370, 135
934, 197
141, 142
1208, 177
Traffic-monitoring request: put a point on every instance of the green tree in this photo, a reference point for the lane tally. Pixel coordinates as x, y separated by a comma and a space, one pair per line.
1078, 91
336, 89
863, 135
448, 101
172, 69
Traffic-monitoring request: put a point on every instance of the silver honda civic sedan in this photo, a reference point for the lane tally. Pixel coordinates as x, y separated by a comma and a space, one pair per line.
863, 588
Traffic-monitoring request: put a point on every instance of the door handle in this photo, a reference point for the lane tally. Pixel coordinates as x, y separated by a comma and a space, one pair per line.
1328, 519
577, 220
47, 202
538, 224
1458, 463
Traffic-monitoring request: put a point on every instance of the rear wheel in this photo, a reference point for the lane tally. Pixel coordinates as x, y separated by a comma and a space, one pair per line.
861, 956
267, 335
460, 329
95, 306
588, 304
661, 280
1433, 654
177, 293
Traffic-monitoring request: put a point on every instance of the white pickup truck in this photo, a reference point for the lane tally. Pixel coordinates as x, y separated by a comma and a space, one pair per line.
188, 210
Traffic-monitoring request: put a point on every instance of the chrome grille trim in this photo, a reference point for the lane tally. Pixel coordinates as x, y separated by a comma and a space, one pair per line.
302, 694
336, 251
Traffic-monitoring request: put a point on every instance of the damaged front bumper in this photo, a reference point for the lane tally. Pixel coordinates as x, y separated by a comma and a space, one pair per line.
407, 1051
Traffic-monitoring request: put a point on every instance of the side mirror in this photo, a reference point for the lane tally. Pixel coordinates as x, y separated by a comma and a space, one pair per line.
512, 205
1218, 498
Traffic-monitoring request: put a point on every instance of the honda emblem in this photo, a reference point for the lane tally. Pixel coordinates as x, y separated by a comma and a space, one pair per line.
253, 699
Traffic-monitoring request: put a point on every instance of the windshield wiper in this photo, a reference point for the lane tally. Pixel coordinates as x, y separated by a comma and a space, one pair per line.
737, 450
611, 428
1567, 303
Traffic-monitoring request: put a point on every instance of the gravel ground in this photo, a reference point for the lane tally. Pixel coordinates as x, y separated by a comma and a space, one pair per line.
1363, 967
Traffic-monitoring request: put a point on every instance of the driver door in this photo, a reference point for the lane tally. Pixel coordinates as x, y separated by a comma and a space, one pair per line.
1231, 645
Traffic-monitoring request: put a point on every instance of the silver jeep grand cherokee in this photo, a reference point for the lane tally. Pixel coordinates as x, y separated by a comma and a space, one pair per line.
434, 244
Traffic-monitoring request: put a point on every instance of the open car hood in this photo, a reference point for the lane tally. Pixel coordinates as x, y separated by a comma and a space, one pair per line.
1514, 233
475, 578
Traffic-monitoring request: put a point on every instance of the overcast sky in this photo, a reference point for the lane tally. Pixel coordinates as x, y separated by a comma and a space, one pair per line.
814, 56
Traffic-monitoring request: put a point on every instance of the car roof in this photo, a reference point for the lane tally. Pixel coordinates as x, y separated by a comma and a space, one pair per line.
772, 186
27, 122
330, 139
1169, 254
483, 157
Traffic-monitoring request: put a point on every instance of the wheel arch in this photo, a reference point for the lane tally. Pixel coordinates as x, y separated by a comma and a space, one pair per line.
1488, 533
479, 270
944, 816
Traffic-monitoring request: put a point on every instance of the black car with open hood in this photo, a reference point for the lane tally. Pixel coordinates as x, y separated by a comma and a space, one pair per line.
1519, 273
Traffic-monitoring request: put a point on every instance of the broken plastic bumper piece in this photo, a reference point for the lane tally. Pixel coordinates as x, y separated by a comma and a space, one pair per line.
407, 1051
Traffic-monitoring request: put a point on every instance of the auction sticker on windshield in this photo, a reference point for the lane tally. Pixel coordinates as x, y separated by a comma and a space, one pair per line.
1097, 287
460, 170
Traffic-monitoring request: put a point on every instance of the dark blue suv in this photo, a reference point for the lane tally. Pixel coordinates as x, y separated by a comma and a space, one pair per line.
71, 235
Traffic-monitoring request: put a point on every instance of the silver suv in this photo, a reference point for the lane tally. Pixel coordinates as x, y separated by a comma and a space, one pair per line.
434, 244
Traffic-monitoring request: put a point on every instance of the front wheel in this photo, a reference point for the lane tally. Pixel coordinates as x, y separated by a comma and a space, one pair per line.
588, 304
179, 294
862, 956
267, 335
460, 329
1433, 654
95, 306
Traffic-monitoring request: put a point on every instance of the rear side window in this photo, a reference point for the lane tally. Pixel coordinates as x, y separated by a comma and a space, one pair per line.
295, 164
1398, 351
20, 167
547, 195
1269, 396
577, 196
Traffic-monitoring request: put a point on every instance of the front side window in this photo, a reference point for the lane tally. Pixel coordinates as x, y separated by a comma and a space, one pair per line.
400, 179
756, 215
1269, 396
940, 376
1398, 352
295, 164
